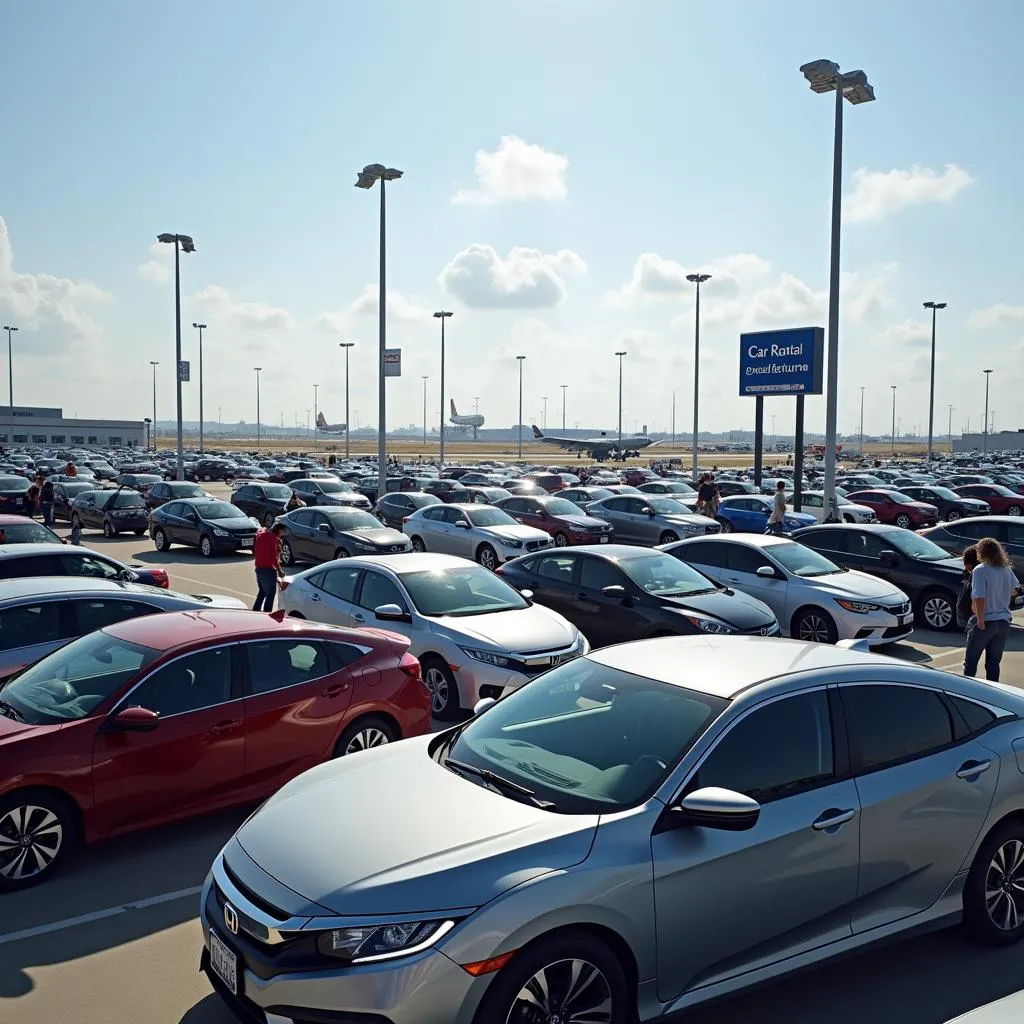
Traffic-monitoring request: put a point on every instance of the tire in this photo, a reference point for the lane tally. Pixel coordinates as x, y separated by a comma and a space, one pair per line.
287, 555
206, 547
815, 626
108, 530
268, 519
487, 557
847, 519
987, 920
726, 525
1014, 510
668, 537
536, 985
48, 821
903, 521
365, 734
561, 540
341, 553
418, 545
160, 540
206, 478
440, 683
953, 515
937, 609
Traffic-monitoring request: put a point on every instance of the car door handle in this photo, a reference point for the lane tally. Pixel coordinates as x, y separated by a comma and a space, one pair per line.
228, 725
972, 769
832, 818
314, 597
358, 618
335, 691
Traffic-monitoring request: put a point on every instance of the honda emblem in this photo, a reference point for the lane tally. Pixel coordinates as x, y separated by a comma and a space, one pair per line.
230, 918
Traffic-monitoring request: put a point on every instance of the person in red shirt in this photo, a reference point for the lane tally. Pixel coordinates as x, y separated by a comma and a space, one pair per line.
267, 558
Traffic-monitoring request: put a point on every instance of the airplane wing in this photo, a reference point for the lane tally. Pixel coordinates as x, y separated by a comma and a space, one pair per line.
571, 444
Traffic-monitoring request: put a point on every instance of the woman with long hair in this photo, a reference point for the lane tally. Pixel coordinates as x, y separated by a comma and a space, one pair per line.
993, 584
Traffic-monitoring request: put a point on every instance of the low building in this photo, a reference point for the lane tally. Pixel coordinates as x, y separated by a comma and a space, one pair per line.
1004, 441
30, 425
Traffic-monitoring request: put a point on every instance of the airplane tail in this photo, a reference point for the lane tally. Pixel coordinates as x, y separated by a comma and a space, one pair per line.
454, 410
321, 420
536, 432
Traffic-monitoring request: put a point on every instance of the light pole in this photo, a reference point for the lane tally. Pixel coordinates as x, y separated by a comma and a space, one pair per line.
181, 243
425, 379
200, 328
862, 422
346, 345
564, 387
367, 176
985, 435
316, 415
949, 429
153, 432
10, 366
825, 76
698, 280
442, 315
934, 307
520, 361
620, 355
257, 369
544, 412
893, 431
149, 431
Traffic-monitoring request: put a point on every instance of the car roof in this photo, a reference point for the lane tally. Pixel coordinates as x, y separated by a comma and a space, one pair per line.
974, 519
610, 552
870, 527
21, 588
724, 666
40, 548
757, 540
743, 497
412, 561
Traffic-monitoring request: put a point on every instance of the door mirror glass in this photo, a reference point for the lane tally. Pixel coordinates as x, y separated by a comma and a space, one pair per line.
527, 595
647, 511
615, 590
888, 557
725, 809
462, 524
324, 528
482, 705
390, 613
135, 720
766, 571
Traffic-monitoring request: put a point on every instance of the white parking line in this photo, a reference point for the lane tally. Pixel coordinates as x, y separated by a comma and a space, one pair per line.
208, 586
99, 915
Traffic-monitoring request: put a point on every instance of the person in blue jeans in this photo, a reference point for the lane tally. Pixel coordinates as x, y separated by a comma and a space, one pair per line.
267, 560
993, 585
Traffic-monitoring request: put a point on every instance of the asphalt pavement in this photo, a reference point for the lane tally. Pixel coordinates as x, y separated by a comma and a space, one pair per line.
115, 937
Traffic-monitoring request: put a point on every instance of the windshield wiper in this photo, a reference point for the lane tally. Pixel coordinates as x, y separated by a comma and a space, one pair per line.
11, 711
496, 780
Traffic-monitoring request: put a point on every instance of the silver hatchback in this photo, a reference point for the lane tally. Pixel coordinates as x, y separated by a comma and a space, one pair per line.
630, 834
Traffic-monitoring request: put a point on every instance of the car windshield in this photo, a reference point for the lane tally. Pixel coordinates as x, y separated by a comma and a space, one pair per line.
489, 517
127, 499
13, 483
665, 576
183, 490
72, 489
596, 494
802, 561
352, 519
277, 492
333, 486
423, 500
1002, 491
900, 498
72, 682
678, 487
665, 506
471, 590
561, 507
219, 510
27, 533
914, 546
145, 478
551, 737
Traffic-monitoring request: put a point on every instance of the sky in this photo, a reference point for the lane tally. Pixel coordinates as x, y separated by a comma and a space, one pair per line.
566, 164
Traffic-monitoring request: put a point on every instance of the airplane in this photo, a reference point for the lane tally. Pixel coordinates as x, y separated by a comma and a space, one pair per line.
328, 428
596, 447
474, 421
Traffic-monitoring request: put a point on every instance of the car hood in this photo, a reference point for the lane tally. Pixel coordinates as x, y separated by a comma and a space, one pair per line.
455, 844
523, 533
590, 522
731, 606
954, 566
10, 730
973, 503
382, 536
220, 601
234, 524
921, 506
853, 584
805, 517
535, 628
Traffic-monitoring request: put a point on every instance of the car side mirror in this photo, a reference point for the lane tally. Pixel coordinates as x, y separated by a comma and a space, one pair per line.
526, 595
615, 590
324, 528
724, 809
648, 511
134, 720
766, 572
462, 524
482, 705
391, 613
888, 557
127, 576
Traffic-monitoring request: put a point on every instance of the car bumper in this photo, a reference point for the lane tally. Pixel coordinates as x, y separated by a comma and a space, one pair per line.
506, 553
477, 679
589, 538
244, 543
874, 627
130, 523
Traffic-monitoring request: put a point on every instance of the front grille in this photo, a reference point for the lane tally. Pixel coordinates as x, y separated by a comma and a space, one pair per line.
713, 528
894, 631
898, 609
254, 898
533, 545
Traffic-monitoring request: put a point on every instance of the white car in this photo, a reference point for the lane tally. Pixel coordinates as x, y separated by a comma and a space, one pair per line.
474, 635
813, 598
813, 503
486, 534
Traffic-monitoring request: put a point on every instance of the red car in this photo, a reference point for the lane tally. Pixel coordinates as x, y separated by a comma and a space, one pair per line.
637, 476
167, 716
896, 508
551, 482
1001, 500
558, 517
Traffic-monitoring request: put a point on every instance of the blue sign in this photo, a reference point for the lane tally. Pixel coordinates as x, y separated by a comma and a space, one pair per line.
788, 362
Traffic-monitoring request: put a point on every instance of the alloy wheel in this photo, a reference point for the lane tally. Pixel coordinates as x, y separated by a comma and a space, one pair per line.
206, 547
937, 611
488, 559
952, 515
268, 520
1013, 510
814, 628
437, 685
287, 557
418, 545
560, 540
366, 738
30, 839
160, 540
564, 992
903, 522
1004, 886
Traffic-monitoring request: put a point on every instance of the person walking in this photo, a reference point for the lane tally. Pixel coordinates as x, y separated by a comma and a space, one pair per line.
266, 551
993, 584
776, 521
963, 604
30, 501
46, 496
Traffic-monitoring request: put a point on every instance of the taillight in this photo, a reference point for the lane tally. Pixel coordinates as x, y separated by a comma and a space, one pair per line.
405, 519
500, 571
410, 666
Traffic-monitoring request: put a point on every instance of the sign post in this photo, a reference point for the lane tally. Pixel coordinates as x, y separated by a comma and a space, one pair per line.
392, 362
184, 371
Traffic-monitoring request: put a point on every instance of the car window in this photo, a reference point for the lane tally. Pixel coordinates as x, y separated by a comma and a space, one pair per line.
869, 545
242, 494
811, 500
517, 505
453, 515
302, 517
173, 508
889, 723
636, 506
556, 567
31, 624
616, 505
744, 559
377, 589
76, 564
828, 540
435, 513
1014, 533
191, 683
340, 583
776, 750
461, 591
596, 574
975, 531
97, 613
275, 664
976, 716
715, 556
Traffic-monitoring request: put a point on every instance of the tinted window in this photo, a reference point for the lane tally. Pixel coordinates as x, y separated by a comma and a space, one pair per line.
28, 532
596, 574
86, 565
435, 514
196, 681
715, 556
301, 517
242, 494
274, 664
377, 590
555, 567
30, 624
744, 559
975, 531
126, 500
519, 505
340, 583
615, 505
976, 716
894, 723
173, 508
348, 519
828, 540
95, 614
775, 750
219, 510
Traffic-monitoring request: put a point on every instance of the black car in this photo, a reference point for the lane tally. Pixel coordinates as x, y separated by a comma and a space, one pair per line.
22, 530
393, 509
1008, 530
140, 482
12, 494
614, 593
209, 524
20, 560
210, 469
113, 512
65, 493
321, 534
448, 491
161, 493
951, 506
329, 492
910, 562
264, 502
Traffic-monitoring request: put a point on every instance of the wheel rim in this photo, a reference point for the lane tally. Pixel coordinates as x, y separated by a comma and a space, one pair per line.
903, 522
286, 553
565, 992
417, 544
206, 547
30, 839
1004, 886
668, 538
1013, 510
437, 684
488, 559
341, 553
268, 520
108, 530
160, 539
953, 516
726, 526
560, 540
814, 628
366, 738
937, 611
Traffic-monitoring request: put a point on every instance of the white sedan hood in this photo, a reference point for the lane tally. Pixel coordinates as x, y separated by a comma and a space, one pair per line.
518, 631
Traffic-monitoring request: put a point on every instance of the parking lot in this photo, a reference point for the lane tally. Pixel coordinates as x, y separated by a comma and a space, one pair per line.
115, 937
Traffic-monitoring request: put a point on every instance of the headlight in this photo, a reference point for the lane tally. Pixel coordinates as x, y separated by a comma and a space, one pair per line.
689, 529
487, 657
512, 543
381, 942
218, 532
860, 607
361, 544
579, 529
710, 625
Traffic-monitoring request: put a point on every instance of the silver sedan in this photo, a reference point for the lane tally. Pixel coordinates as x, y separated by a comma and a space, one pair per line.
650, 519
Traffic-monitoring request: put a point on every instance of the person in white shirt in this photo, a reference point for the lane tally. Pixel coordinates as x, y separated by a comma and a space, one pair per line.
993, 585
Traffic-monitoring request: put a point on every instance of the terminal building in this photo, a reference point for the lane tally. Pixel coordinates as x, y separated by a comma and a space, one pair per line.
1004, 441
30, 425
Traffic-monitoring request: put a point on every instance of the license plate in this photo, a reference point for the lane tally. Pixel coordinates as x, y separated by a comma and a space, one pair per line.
604, 540
224, 962
246, 543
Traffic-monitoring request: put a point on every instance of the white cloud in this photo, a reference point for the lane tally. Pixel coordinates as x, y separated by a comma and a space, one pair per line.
907, 333
399, 308
877, 194
516, 170
218, 305
994, 316
655, 277
158, 267
525, 279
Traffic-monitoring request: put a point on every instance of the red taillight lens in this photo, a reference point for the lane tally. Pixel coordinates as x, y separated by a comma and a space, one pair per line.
410, 666
500, 571
405, 519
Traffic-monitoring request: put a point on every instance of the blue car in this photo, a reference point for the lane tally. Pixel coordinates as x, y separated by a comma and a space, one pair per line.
748, 513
